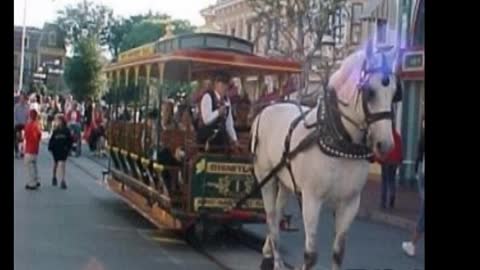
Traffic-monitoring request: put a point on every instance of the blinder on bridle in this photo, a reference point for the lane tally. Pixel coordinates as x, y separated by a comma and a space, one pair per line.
366, 90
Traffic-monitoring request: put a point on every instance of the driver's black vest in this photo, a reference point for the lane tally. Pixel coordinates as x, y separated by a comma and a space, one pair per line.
215, 132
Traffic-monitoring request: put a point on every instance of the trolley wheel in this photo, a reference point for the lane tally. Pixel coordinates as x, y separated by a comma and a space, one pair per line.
196, 234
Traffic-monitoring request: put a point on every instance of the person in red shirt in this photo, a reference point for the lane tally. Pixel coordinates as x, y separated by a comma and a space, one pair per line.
33, 136
389, 170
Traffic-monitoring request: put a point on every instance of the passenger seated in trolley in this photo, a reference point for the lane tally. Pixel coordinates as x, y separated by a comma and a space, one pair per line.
215, 126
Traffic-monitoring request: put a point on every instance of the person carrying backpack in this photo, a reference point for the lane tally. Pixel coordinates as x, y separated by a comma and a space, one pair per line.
60, 145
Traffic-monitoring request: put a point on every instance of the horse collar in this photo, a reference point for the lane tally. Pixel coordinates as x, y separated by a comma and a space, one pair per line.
333, 138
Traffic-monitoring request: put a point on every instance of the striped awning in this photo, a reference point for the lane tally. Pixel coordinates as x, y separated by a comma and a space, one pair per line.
380, 10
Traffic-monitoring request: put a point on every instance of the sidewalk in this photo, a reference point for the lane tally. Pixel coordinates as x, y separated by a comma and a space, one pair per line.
406, 210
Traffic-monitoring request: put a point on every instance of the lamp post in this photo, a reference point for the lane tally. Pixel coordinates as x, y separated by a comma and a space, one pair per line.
22, 54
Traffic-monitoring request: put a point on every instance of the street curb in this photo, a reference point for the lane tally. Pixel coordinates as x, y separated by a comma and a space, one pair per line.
388, 219
364, 214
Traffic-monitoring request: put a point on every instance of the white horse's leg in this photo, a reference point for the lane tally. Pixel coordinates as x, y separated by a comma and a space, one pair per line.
311, 207
270, 248
344, 215
282, 197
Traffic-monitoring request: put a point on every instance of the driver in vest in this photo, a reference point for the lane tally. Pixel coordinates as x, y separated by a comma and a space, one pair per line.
216, 129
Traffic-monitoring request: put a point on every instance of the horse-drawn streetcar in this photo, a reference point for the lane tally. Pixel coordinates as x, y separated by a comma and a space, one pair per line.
156, 165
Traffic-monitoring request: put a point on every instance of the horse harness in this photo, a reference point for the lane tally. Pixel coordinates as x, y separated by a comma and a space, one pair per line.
329, 134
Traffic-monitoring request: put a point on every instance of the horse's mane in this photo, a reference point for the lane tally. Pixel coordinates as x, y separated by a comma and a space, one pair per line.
345, 79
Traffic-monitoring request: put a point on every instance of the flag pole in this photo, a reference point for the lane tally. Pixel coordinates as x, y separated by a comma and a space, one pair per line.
22, 54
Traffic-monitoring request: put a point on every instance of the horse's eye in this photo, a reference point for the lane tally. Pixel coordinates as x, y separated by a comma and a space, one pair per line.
385, 81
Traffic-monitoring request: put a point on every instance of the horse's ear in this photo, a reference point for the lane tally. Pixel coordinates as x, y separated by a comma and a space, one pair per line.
398, 92
394, 59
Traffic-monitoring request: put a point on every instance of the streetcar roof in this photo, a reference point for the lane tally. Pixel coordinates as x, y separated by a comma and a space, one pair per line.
207, 52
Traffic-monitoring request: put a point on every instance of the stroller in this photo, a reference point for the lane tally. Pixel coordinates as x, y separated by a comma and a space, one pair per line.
96, 140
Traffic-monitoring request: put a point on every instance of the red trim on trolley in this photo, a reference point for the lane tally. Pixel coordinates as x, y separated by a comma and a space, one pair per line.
214, 57
236, 58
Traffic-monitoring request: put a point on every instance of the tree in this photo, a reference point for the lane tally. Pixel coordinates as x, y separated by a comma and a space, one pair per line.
136, 30
141, 33
142, 29
300, 29
83, 71
85, 20
118, 28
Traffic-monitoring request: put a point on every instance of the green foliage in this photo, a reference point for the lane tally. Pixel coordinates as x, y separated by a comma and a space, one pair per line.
141, 33
118, 28
87, 27
85, 20
140, 29
83, 71
177, 91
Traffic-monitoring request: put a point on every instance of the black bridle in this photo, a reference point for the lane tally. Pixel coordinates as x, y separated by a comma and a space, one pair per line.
364, 89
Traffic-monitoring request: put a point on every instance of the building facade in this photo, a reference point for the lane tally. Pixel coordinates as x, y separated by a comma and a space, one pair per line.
44, 56
350, 28
362, 19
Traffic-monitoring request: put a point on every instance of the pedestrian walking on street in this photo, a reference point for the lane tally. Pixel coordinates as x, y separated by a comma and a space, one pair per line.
409, 247
60, 145
52, 110
20, 119
33, 136
389, 170
421, 148
34, 102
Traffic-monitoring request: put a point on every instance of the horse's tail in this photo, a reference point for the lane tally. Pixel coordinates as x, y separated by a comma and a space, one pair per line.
254, 134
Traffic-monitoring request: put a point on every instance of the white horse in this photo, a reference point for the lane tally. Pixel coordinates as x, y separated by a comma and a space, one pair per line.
365, 85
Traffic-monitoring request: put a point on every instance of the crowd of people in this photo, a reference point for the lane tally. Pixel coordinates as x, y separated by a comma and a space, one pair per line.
64, 119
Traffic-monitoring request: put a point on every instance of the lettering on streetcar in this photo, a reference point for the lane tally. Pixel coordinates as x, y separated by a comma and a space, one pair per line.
229, 168
225, 203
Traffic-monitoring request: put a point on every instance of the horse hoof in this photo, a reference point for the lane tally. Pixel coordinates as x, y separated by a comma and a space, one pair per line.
267, 264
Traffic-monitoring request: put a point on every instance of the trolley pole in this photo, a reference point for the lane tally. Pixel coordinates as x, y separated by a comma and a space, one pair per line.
410, 112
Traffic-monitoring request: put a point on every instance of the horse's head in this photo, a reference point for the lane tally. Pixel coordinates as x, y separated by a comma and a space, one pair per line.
368, 78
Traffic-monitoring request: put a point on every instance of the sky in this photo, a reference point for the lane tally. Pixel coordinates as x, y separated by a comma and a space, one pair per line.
41, 11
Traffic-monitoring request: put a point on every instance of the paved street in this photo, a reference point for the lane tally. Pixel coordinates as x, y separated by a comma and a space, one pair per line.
370, 246
86, 227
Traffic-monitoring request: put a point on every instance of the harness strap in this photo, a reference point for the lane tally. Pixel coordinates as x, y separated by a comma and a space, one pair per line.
286, 150
304, 144
289, 169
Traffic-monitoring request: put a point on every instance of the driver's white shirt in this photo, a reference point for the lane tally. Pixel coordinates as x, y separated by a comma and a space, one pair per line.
209, 116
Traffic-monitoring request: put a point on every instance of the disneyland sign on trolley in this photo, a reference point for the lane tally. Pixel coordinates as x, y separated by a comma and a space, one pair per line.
229, 168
